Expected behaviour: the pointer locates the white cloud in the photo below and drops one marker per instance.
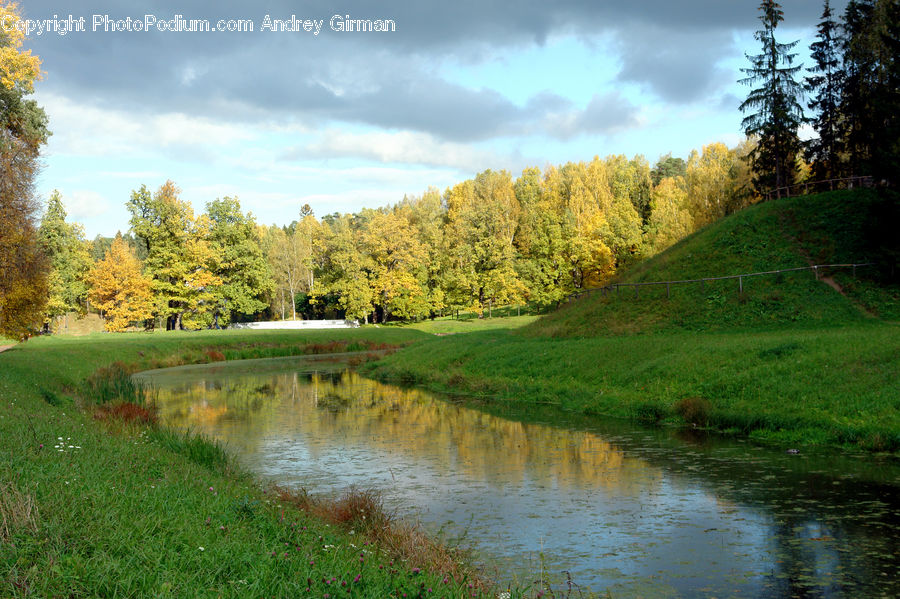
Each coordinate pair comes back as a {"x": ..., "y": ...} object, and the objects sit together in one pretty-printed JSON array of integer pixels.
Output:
[
  {"x": 84, "y": 129},
  {"x": 83, "y": 204},
  {"x": 402, "y": 147}
]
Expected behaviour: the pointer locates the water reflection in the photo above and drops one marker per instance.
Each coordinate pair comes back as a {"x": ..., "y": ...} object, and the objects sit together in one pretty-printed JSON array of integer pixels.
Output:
[{"x": 633, "y": 511}]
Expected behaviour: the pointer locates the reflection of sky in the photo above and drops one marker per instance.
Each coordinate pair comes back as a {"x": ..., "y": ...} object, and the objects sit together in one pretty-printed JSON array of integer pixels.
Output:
[{"x": 640, "y": 521}]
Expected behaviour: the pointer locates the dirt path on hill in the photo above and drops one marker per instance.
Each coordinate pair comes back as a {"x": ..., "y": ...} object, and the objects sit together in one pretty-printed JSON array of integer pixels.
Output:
[
  {"x": 785, "y": 221},
  {"x": 3, "y": 348}
]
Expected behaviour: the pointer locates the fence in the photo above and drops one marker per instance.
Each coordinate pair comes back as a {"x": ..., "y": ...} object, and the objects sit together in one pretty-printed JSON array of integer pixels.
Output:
[
  {"x": 820, "y": 186},
  {"x": 616, "y": 287}
]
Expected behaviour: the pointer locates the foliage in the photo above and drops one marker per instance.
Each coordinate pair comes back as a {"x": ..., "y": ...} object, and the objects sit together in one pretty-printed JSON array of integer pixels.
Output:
[
  {"x": 119, "y": 290},
  {"x": 240, "y": 266},
  {"x": 18, "y": 69},
  {"x": 180, "y": 259},
  {"x": 824, "y": 84},
  {"x": 870, "y": 102},
  {"x": 778, "y": 113},
  {"x": 23, "y": 129},
  {"x": 290, "y": 255},
  {"x": 70, "y": 260}
]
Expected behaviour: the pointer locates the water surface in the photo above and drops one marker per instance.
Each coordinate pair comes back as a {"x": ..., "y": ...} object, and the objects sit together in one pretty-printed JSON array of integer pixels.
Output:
[{"x": 650, "y": 513}]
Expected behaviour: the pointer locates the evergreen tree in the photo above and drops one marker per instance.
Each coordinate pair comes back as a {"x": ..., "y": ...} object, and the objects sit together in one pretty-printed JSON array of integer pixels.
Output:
[
  {"x": 824, "y": 86},
  {"x": 70, "y": 260},
  {"x": 857, "y": 99},
  {"x": 778, "y": 113}
]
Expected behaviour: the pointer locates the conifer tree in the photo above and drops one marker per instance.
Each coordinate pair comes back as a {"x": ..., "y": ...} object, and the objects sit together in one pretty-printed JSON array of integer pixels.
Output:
[
  {"x": 70, "y": 260},
  {"x": 775, "y": 100},
  {"x": 824, "y": 86}
]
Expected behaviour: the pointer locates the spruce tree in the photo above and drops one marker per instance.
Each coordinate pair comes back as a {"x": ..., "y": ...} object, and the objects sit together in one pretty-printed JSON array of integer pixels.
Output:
[
  {"x": 824, "y": 86},
  {"x": 859, "y": 82},
  {"x": 775, "y": 100}
]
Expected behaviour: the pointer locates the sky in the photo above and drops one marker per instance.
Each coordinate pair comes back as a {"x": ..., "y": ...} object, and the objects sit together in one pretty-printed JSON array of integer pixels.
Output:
[{"x": 306, "y": 109}]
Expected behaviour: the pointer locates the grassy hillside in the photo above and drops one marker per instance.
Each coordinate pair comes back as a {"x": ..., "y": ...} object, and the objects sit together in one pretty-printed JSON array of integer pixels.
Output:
[
  {"x": 837, "y": 227},
  {"x": 791, "y": 360}
]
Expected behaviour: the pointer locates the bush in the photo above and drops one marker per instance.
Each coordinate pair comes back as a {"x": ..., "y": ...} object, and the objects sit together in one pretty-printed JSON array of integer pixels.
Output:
[{"x": 694, "y": 410}]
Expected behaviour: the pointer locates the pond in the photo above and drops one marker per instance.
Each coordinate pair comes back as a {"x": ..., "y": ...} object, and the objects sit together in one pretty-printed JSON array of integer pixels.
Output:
[{"x": 544, "y": 496}]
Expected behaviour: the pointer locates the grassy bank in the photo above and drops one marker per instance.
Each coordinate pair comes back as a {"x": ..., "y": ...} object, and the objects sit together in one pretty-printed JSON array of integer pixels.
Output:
[
  {"x": 790, "y": 385},
  {"x": 93, "y": 506},
  {"x": 791, "y": 359}
]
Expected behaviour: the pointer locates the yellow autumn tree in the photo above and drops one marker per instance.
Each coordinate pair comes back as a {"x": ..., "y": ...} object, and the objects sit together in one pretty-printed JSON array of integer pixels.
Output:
[
  {"x": 119, "y": 289},
  {"x": 18, "y": 69}
]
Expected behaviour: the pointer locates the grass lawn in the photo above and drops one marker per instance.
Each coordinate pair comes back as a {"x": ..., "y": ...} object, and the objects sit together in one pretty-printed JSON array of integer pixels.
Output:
[
  {"x": 450, "y": 326},
  {"x": 92, "y": 508}
]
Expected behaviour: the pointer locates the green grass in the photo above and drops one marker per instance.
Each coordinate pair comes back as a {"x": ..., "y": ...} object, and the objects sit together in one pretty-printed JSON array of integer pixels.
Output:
[
  {"x": 789, "y": 360},
  {"x": 829, "y": 386},
  {"x": 451, "y": 326},
  {"x": 790, "y": 233},
  {"x": 100, "y": 509}
]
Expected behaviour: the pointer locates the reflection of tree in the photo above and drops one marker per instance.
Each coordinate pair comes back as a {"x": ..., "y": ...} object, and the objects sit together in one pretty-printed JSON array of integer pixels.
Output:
[
  {"x": 854, "y": 545},
  {"x": 410, "y": 421}
]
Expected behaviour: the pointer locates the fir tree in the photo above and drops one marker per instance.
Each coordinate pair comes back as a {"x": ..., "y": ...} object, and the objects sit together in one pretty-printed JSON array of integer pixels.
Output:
[
  {"x": 824, "y": 87},
  {"x": 778, "y": 113}
]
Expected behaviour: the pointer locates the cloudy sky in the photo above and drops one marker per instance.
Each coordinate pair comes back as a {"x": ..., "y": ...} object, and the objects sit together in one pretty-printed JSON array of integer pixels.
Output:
[{"x": 342, "y": 120}]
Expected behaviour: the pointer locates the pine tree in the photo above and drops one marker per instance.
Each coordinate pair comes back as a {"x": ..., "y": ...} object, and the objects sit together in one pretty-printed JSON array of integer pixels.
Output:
[
  {"x": 824, "y": 85},
  {"x": 860, "y": 67},
  {"x": 776, "y": 102}
]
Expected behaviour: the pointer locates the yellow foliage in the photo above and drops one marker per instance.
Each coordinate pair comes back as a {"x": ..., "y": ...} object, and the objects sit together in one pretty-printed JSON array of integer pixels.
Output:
[
  {"x": 119, "y": 289},
  {"x": 18, "y": 69}
]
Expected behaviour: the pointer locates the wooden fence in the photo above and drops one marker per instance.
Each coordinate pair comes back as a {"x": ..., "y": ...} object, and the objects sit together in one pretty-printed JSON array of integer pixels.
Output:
[
  {"x": 616, "y": 287},
  {"x": 819, "y": 186}
]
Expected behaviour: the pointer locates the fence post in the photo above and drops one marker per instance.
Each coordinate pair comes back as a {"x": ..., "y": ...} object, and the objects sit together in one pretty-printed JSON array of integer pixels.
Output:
[
  {"x": 741, "y": 284},
  {"x": 816, "y": 270},
  {"x": 667, "y": 291},
  {"x": 702, "y": 285},
  {"x": 854, "y": 271},
  {"x": 635, "y": 292}
]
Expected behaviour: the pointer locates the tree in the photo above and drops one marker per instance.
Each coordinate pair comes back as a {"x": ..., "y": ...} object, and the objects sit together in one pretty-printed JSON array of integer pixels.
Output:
[
  {"x": 396, "y": 261},
  {"x": 180, "y": 260},
  {"x": 119, "y": 290},
  {"x": 670, "y": 219},
  {"x": 245, "y": 275},
  {"x": 667, "y": 166},
  {"x": 870, "y": 100},
  {"x": 824, "y": 85},
  {"x": 345, "y": 269},
  {"x": 482, "y": 219},
  {"x": 778, "y": 113},
  {"x": 23, "y": 130},
  {"x": 70, "y": 260},
  {"x": 290, "y": 257}
]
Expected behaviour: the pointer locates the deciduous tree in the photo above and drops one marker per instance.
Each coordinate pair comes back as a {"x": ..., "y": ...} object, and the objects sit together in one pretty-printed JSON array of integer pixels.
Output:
[
  {"x": 23, "y": 130},
  {"x": 119, "y": 290}
]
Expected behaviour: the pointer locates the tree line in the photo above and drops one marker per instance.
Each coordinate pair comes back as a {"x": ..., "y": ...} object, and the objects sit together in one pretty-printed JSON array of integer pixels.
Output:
[{"x": 488, "y": 241}]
